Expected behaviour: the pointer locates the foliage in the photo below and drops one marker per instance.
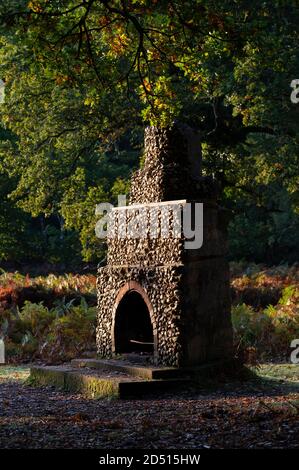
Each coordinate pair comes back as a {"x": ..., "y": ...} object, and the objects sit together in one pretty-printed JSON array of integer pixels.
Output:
[
  {"x": 72, "y": 333},
  {"x": 267, "y": 233},
  {"x": 259, "y": 286},
  {"x": 37, "y": 332},
  {"x": 82, "y": 78},
  {"x": 57, "y": 321},
  {"x": 269, "y": 330},
  {"x": 35, "y": 319},
  {"x": 56, "y": 237},
  {"x": 84, "y": 283},
  {"x": 51, "y": 318},
  {"x": 52, "y": 290}
]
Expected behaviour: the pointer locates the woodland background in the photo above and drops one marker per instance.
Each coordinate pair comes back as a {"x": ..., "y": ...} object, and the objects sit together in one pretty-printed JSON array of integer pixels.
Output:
[{"x": 82, "y": 80}]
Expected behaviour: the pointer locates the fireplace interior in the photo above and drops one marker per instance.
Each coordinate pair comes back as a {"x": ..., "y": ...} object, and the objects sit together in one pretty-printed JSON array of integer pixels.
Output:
[{"x": 133, "y": 330}]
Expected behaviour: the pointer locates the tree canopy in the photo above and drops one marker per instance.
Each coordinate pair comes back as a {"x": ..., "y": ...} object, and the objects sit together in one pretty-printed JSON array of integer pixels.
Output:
[{"x": 84, "y": 76}]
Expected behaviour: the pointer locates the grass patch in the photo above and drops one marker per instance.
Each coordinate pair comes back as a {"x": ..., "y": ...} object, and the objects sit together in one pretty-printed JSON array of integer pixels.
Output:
[
  {"x": 285, "y": 372},
  {"x": 14, "y": 373}
]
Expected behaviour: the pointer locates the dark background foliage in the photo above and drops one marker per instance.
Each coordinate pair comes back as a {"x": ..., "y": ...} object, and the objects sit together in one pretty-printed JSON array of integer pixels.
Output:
[{"x": 83, "y": 78}]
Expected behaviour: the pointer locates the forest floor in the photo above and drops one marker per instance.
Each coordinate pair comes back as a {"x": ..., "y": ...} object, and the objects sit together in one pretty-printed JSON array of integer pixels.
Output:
[{"x": 262, "y": 412}]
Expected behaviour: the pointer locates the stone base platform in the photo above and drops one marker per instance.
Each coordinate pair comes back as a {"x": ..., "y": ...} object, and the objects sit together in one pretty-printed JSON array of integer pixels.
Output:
[
  {"x": 127, "y": 367},
  {"x": 100, "y": 383},
  {"x": 100, "y": 378}
]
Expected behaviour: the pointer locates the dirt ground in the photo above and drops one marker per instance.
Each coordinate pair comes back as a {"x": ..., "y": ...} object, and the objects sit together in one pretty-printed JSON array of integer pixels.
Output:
[{"x": 259, "y": 413}]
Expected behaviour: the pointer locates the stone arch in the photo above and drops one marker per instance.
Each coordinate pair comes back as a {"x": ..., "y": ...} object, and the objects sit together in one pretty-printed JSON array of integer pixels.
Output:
[{"x": 133, "y": 286}]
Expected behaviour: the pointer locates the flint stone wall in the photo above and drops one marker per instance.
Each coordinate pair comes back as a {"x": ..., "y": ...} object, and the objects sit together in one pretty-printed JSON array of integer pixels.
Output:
[
  {"x": 172, "y": 168},
  {"x": 159, "y": 251},
  {"x": 162, "y": 285},
  {"x": 190, "y": 304}
]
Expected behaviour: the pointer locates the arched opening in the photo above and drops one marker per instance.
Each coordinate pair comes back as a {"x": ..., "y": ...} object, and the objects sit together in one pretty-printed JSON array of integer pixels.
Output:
[{"x": 133, "y": 329}]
